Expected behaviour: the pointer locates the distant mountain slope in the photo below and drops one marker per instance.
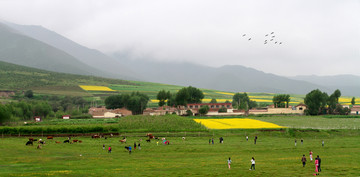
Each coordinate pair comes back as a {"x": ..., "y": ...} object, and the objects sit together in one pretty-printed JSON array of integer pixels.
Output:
[
  {"x": 16, "y": 77},
  {"x": 19, "y": 49},
  {"x": 349, "y": 85},
  {"x": 91, "y": 57},
  {"x": 227, "y": 78}
]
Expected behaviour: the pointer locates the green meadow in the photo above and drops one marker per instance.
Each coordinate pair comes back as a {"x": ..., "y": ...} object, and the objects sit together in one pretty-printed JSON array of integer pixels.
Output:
[{"x": 275, "y": 152}]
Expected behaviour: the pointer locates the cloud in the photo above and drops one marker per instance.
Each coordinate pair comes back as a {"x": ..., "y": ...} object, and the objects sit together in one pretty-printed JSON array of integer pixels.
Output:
[{"x": 319, "y": 37}]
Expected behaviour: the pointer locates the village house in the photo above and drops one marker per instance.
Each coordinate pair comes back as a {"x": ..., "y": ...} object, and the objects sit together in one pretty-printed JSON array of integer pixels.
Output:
[
  {"x": 66, "y": 117},
  {"x": 102, "y": 112},
  {"x": 355, "y": 110},
  {"x": 163, "y": 110},
  {"x": 37, "y": 119}
]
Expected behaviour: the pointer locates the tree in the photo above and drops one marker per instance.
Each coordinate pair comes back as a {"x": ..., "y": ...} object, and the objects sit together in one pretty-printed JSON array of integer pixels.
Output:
[
  {"x": 252, "y": 104},
  {"x": 116, "y": 101},
  {"x": 241, "y": 101},
  {"x": 42, "y": 109},
  {"x": 171, "y": 100},
  {"x": 137, "y": 103},
  {"x": 29, "y": 94},
  {"x": 227, "y": 101},
  {"x": 315, "y": 102},
  {"x": 188, "y": 95},
  {"x": 222, "y": 109},
  {"x": 280, "y": 100},
  {"x": 4, "y": 114},
  {"x": 333, "y": 101},
  {"x": 353, "y": 101},
  {"x": 162, "y": 96},
  {"x": 213, "y": 100},
  {"x": 204, "y": 110}
]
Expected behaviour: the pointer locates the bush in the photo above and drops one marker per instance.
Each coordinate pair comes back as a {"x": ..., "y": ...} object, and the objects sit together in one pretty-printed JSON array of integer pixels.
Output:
[
  {"x": 223, "y": 109},
  {"x": 189, "y": 113}
]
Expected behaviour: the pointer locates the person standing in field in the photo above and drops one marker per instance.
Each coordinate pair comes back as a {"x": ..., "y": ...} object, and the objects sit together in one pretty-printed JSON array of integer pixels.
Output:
[
  {"x": 302, "y": 141},
  {"x": 247, "y": 138},
  {"x": 316, "y": 167},
  {"x": 303, "y": 160},
  {"x": 212, "y": 140},
  {"x": 295, "y": 142},
  {"x": 255, "y": 139},
  {"x": 109, "y": 149},
  {"x": 310, "y": 154},
  {"x": 252, "y": 163},
  {"x": 322, "y": 143},
  {"x": 229, "y": 163},
  {"x": 139, "y": 147},
  {"x": 134, "y": 145},
  {"x": 319, "y": 162},
  {"x": 130, "y": 149},
  {"x": 103, "y": 146}
]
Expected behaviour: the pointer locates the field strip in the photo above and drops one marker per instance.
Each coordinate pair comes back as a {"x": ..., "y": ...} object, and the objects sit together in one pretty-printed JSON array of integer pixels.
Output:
[
  {"x": 236, "y": 123},
  {"x": 95, "y": 88}
]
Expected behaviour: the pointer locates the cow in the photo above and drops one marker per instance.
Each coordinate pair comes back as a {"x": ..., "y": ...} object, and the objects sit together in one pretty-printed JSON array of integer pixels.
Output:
[
  {"x": 29, "y": 143},
  {"x": 123, "y": 140},
  {"x": 95, "y": 136},
  {"x": 31, "y": 139},
  {"x": 80, "y": 141},
  {"x": 66, "y": 141},
  {"x": 75, "y": 141},
  {"x": 150, "y": 136},
  {"x": 50, "y": 137},
  {"x": 41, "y": 141},
  {"x": 127, "y": 147},
  {"x": 148, "y": 140},
  {"x": 57, "y": 142}
]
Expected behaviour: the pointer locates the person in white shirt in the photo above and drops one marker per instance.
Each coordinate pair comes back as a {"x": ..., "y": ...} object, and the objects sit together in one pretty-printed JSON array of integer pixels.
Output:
[
  {"x": 229, "y": 162},
  {"x": 252, "y": 163}
]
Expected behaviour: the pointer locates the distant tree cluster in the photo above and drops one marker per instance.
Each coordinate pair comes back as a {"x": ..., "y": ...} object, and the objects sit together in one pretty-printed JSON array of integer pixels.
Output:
[
  {"x": 136, "y": 102},
  {"x": 281, "y": 101},
  {"x": 183, "y": 97},
  {"x": 318, "y": 102},
  {"x": 242, "y": 101}
]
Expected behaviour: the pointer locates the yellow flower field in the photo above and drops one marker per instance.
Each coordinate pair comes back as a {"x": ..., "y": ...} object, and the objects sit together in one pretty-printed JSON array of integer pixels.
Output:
[
  {"x": 236, "y": 123},
  {"x": 95, "y": 88}
]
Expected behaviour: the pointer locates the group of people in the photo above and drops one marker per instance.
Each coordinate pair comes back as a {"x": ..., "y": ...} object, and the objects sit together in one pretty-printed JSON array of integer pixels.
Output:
[
  {"x": 317, "y": 162},
  {"x": 252, "y": 167}
]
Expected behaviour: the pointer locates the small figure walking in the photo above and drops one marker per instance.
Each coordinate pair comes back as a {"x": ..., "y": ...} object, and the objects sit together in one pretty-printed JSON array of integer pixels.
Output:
[
  {"x": 302, "y": 141},
  {"x": 310, "y": 154},
  {"x": 295, "y": 142},
  {"x": 134, "y": 145},
  {"x": 247, "y": 138},
  {"x": 212, "y": 140},
  {"x": 322, "y": 143},
  {"x": 303, "y": 160},
  {"x": 109, "y": 149},
  {"x": 229, "y": 163},
  {"x": 130, "y": 149},
  {"x": 209, "y": 141},
  {"x": 139, "y": 147},
  {"x": 157, "y": 143},
  {"x": 221, "y": 140},
  {"x": 103, "y": 146},
  {"x": 255, "y": 139},
  {"x": 252, "y": 163}
]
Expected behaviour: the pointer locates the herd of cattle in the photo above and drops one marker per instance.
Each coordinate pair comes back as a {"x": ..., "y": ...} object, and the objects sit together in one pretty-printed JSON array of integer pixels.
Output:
[{"x": 42, "y": 142}]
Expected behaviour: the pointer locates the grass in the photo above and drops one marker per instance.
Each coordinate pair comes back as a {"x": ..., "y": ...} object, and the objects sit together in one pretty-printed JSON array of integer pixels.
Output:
[{"x": 275, "y": 156}]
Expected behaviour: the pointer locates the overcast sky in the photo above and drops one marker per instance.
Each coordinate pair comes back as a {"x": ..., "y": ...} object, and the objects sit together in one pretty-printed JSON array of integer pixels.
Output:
[{"x": 319, "y": 37}]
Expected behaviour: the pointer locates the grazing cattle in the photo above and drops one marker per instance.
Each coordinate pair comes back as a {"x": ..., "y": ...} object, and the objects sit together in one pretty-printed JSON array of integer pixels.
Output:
[
  {"x": 95, "y": 136},
  {"x": 157, "y": 138},
  {"x": 123, "y": 140},
  {"x": 66, "y": 141},
  {"x": 57, "y": 142},
  {"x": 29, "y": 143},
  {"x": 31, "y": 139},
  {"x": 148, "y": 140},
  {"x": 50, "y": 137},
  {"x": 35, "y": 140},
  {"x": 80, "y": 141},
  {"x": 105, "y": 137},
  {"x": 150, "y": 136},
  {"x": 75, "y": 141},
  {"x": 183, "y": 138},
  {"x": 41, "y": 141},
  {"x": 127, "y": 147}
]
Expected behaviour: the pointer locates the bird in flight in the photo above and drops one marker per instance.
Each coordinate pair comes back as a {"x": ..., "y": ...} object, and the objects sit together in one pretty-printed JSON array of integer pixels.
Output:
[
  {"x": 275, "y": 42},
  {"x": 272, "y": 36},
  {"x": 266, "y": 35},
  {"x": 271, "y": 39},
  {"x": 280, "y": 43},
  {"x": 244, "y": 35},
  {"x": 272, "y": 32},
  {"x": 249, "y": 39}
]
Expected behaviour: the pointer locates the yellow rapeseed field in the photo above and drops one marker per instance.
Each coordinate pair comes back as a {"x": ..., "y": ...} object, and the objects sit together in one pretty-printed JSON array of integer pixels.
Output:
[
  {"x": 236, "y": 123},
  {"x": 95, "y": 88}
]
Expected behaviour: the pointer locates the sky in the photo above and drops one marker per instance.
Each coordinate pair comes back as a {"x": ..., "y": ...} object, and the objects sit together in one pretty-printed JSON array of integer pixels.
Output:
[{"x": 318, "y": 37}]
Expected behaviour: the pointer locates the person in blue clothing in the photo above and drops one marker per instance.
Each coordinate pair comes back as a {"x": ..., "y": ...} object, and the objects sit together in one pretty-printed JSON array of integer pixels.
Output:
[{"x": 130, "y": 149}]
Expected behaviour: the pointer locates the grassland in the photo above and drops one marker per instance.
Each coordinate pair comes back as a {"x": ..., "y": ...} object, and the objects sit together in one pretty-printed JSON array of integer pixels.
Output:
[{"x": 275, "y": 155}]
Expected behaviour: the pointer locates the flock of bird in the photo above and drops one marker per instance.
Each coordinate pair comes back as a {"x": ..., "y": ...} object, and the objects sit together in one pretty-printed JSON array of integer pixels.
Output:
[{"x": 269, "y": 38}]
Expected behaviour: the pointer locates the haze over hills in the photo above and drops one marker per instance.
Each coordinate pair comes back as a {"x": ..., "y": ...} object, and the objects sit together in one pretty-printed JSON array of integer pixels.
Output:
[
  {"x": 91, "y": 57},
  {"x": 38, "y": 47},
  {"x": 20, "y": 49},
  {"x": 347, "y": 84}
]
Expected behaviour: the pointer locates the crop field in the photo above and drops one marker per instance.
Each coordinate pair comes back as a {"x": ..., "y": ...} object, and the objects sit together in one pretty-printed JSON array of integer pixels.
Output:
[
  {"x": 194, "y": 156},
  {"x": 235, "y": 123},
  {"x": 95, "y": 88}
]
